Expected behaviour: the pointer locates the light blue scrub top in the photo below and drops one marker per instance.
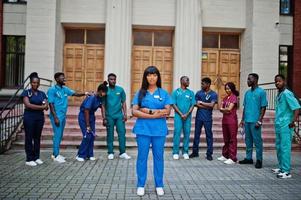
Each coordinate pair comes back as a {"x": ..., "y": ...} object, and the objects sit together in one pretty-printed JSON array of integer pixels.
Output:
[
  {"x": 183, "y": 99},
  {"x": 152, "y": 127},
  {"x": 58, "y": 96},
  {"x": 253, "y": 102},
  {"x": 286, "y": 103}
]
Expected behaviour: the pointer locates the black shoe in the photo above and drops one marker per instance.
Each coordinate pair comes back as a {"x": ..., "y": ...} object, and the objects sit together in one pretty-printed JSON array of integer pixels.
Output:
[
  {"x": 246, "y": 161},
  {"x": 193, "y": 155},
  {"x": 258, "y": 164},
  {"x": 209, "y": 158}
]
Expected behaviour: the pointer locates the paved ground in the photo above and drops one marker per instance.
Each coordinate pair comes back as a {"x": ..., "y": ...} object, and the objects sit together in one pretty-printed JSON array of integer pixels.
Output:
[{"x": 103, "y": 179}]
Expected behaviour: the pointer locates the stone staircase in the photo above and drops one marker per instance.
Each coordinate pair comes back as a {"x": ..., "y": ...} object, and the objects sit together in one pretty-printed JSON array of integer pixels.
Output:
[{"x": 72, "y": 134}]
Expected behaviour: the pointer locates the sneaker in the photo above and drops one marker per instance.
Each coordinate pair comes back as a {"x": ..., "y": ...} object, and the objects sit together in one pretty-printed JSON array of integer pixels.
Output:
[
  {"x": 39, "y": 161},
  {"x": 160, "y": 191},
  {"x": 59, "y": 159},
  {"x": 276, "y": 171},
  {"x": 284, "y": 175},
  {"x": 222, "y": 158},
  {"x": 209, "y": 158},
  {"x": 175, "y": 156},
  {"x": 258, "y": 164},
  {"x": 229, "y": 161},
  {"x": 186, "y": 156},
  {"x": 79, "y": 159},
  {"x": 31, "y": 163},
  {"x": 193, "y": 155},
  {"x": 246, "y": 161},
  {"x": 140, "y": 191},
  {"x": 92, "y": 158},
  {"x": 111, "y": 156},
  {"x": 124, "y": 156}
]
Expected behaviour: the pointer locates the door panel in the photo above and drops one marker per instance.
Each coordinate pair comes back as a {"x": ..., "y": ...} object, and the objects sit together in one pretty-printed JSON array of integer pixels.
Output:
[
  {"x": 210, "y": 67},
  {"x": 83, "y": 68}
]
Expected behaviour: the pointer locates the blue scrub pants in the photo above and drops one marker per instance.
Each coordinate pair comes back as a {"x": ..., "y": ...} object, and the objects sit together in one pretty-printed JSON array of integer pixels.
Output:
[
  {"x": 120, "y": 128},
  {"x": 86, "y": 147},
  {"x": 143, "y": 143},
  {"x": 180, "y": 124},
  {"x": 33, "y": 126},
  {"x": 58, "y": 133},
  {"x": 253, "y": 135},
  {"x": 209, "y": 136},
  {"x": 284, "y": 136}
]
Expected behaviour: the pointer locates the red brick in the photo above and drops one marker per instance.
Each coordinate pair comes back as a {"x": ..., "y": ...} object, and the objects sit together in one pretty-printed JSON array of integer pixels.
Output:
[{"x": 296, "y": 71}]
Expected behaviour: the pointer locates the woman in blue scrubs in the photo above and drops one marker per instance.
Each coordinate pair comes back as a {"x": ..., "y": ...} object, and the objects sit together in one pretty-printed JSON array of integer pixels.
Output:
[
  {"x": 35, "y": 102},
  {"x": 151, "y": 106},
  {"x": 86, "y": 121}
]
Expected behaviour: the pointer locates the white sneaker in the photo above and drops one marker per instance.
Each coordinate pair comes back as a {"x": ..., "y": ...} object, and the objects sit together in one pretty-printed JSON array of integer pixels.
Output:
[
  {"x": 229, "y": 161},
  {"x": 111, "y": 156},
  {"x": 62, "y": 157},
  {"x": 222, "y": 158},
  {"x": 175, "y": 156},
  {"x": 39, "y": 161},
  {"x": 160, "y": 191},
  {"x": 125, "y": 156},
  {"x": 284, "y": 175},
  {"x": 276, "y": 171},
  {"x": 31, "y": 163},
  {"x": 59, "y": 159},
  {"x": 79, "y": 159},
  {"x": 186, "y": 156},
  {"x": 92, "y": 158},
  {"x": 140, "y": 191}
]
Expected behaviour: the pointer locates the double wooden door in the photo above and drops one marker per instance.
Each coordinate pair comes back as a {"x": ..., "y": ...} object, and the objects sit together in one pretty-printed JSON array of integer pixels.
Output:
[
  {"x": 221, "y": 66},
  {"x": 83, "y": 68},
  {"x": 144, "y": 56}
]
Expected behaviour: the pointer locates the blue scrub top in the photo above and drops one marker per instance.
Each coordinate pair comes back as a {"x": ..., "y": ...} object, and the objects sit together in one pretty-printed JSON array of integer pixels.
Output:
[
  {"x": 183, "y": 99},
  {"x": 36, "y": 99},
  {"x": 92, "y": 103},
  {"x": 253, "y": 102},
  {"x": 58, "y": 96},
  {"x": 152, "y": 127},
  {"x": 286, "y": 104},
  {"x": 204, "y": 114}
]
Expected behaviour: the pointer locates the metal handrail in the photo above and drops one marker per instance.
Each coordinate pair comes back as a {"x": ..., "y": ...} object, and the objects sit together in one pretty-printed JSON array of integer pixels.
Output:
[
  {"x": 11, "y": 115},
  {"x": 271, "y": 92}
]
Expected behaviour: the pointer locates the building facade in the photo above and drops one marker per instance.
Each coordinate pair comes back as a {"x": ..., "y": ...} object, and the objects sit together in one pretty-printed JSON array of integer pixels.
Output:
[{"x": 221, "y": 39}]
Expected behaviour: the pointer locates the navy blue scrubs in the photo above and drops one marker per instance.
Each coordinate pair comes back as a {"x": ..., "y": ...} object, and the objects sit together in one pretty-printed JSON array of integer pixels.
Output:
[
  {"x": 33, "y": 122},
  {"x": 92, "y": 103}
]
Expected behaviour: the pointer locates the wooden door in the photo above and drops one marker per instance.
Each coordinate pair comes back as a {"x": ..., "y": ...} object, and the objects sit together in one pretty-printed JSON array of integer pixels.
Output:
[
  {"x": 83, "y": 67},
  {"x": 141, "y": 58},
  {"x": 221, "y": 66},
  {"x": 163, "y": 60}
]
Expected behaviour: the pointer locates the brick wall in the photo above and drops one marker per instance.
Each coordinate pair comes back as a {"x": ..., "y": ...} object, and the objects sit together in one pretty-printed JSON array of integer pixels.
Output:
[
  {"x": 296, "y": 71},
  {"x": 1, "y": 50}
]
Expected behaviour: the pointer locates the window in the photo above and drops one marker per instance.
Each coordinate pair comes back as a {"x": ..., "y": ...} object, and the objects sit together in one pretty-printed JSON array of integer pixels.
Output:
[
  {"x": 153, "y": 38},
  {"x": 14, "y": 53},
  {"x": 285, "y": 7},
  {"x": 210, "y": 40},
  {"x": 84, "y": 36},
  {"x": 15, "y": 1},
  {"x": 285, "y": 55},
  {"x": 221, "y": 40}
]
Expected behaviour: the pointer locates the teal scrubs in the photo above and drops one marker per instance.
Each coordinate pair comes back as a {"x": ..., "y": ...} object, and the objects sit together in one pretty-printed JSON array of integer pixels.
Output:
[
  {"x": 183, "y": 99},
  {"x": 253, "y": 102},
  {"x": 58, "y": 96},
  {"x": 113, "y": 104},
  {"x": 286, "y": 104}
]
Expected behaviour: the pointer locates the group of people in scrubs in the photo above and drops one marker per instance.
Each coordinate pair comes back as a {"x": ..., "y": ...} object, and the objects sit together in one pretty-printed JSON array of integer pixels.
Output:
[{"x": 151, "y": 106}]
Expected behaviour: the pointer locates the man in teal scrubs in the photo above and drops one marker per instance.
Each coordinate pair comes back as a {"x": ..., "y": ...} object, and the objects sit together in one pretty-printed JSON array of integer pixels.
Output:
[
  {"x": 286, "y": 118},
  {"x": 58, "y": 103},
  {"x": 255, "y": 103},
  {"x": 184, "y": 102},
  {"x": 116, "y": 115}
]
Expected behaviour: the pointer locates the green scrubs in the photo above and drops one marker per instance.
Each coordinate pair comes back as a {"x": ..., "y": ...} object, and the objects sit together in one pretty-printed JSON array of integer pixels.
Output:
[
  {"x": 183, "y": 99},
  {"x": 285, "y": 105},
  {"x": 113, "y": 104}
]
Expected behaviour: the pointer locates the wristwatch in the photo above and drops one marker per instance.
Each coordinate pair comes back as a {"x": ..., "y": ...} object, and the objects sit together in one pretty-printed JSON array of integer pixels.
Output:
[
  {"x": 259, "y": 122},
  {"x": 295, "y": 123},
  {"x": 150, "y": 111}
]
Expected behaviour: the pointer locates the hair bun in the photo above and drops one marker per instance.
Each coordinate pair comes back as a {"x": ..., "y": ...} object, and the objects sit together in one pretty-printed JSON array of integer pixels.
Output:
[{"x": 105, "y": 83}]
